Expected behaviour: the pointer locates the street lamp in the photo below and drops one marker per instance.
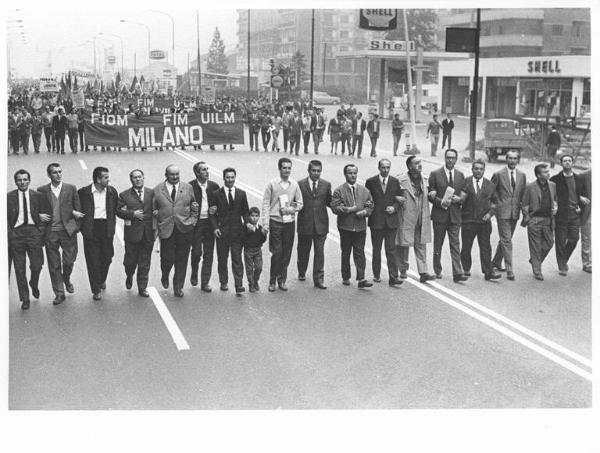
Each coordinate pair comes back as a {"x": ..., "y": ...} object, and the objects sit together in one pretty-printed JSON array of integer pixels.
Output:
[
  {"x": 147, "y": 28},
  {"x": 173, "y": 31},
  {"x": 121, "y": 39}
]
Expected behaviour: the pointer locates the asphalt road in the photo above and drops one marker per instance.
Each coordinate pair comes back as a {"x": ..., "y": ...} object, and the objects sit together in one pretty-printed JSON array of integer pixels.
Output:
[{"x": 520, "y": 344}]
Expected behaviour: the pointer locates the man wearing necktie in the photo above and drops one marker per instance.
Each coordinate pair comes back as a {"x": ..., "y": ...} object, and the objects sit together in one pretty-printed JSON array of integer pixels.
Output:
[
  {"x": 478, "y": 205},
  {"x": 313, "y": 222},
  {"x": 445, "y": 213},
  {"x": 510, "y": 183},
  {"x": 176, "y": 215},
  {"x": 27, "y": 216},
  {"x": 139, "y": 231},
  {"x": 387, "y": 198}
]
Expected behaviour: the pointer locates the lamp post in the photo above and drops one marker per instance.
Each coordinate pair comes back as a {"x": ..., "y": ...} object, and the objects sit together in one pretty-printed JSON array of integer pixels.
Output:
[
  {"x": 120, "y": 39},
  {"x": 173, "y": 31},
  {"x": 147, "y": 28}
]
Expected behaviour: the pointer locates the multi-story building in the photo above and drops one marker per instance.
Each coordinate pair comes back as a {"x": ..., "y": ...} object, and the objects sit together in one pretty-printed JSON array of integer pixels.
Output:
[{"x": 527, "y": 32}]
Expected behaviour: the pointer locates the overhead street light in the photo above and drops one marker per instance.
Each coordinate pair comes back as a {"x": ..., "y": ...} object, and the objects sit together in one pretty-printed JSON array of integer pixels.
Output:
[
  {"x": 173, "y": 32},
  {"x": 143, "y": 25}
]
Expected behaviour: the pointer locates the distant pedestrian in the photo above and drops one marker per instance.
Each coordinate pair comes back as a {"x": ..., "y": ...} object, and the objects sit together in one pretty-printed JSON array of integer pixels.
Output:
[
  {"x": 552, "y": 145},
  {"x": 334, "y": 130},
  {"x": 397, "y": 131},
  {"x": 447, "y": 126},
  {"x": 433, "y": 133},
  {"x": 373, "y": 127},
  {"x": 358, "y": 134}
]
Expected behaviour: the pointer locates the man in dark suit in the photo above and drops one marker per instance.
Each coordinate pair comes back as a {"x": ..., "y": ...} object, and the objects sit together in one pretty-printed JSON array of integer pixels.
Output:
[
  {"x": 295, "y": 133},
  {"x": 358, "y": 133},
  {"x": 176, "y": 215},
  {"x": 373, "y": 127},
  {"x": 445, "y": 213},
  {"x": 313, "y": 222},
  {"x": 203, "y": 244},
  {"x": 585, "y": 201},
  {"x": 99, "y": 206},
  {"x": 135, "y": 208},
  {"x": 566, "y": 232},
  {"x": 66, "y": 212},
  {"x": 447, "y": 126},
  {"x": 28, "y": 212},
  {"x": 59, "y": 126},
  {"x": 510, "y": 184},
  {"x": 229, "y": 222},
  {"x": 539, "y": 207},
  {"x": 478, "y": 203},
  {"x": 383, "y": 221}
]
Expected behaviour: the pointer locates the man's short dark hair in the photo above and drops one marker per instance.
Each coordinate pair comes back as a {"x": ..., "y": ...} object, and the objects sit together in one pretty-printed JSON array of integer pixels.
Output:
[
  {"x": 133, "y": 171},
  {"x": 450, "y": 150},
  {"x": 314, "y": 163},
  {"x": 51, "y": 166},
  {"x": 254, "y": 210},
  {"x": 383, "y": 160},
  {"x": 282, "y": 161},
  {"x": 196, "y": 166},
  {"x": 539, "y": 167},
  {"x": 478, "y": 162},
  {"x": 97, "y": 173},
  {"x": 409, "y": 160},
  {"x": 22, "y": 171},
  {"x": 229, "y": 170},
  {"x": 565, "y": 155},
  {"x": 348, "y": 166}
]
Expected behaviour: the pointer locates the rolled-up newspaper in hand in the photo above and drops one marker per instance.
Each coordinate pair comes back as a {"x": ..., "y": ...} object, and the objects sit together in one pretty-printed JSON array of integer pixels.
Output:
[{"x": 447, "y": 198}]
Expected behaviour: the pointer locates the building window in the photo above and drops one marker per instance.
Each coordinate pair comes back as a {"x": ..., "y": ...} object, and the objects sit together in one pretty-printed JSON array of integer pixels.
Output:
[
  {"x": 557, "y": 29},
  {"x": 500, "y": 29},
  {"x": 576, "y": 28},
  {"x": 344, "y": 19},
  {"x": 344, "y": 34}
]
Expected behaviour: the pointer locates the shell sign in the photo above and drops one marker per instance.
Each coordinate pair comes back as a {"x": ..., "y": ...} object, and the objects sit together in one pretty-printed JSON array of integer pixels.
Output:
[
  {"x": 157, "y": 55},
  {"x": 378, "y": 19}
]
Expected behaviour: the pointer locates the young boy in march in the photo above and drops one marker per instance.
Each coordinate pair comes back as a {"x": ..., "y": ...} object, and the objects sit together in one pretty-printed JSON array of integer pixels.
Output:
[{"x": 255, "y": 238}]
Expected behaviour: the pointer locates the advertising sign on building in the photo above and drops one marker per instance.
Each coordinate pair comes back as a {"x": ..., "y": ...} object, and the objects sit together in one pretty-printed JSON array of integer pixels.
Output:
[
  {"x": 461, "y": 39},
  {"x": 378, "y": 19},
  {"x": 157, "y": 55},
  {"x": 385, "y": 44}
]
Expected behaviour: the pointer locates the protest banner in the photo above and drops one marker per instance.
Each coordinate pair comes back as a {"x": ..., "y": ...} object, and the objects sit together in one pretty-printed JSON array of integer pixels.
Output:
[
  {"x": 48, "y": 85},
  {"x": 78, "y": 99},
  {"x": 173, "y": 129}
]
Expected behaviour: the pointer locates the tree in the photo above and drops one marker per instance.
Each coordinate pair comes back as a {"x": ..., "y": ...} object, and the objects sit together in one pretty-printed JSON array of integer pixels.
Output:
[
  {"x": 217, "y": 61},
  {"x": 298, "y": 66},
  {"x": 422, "y": 28}
]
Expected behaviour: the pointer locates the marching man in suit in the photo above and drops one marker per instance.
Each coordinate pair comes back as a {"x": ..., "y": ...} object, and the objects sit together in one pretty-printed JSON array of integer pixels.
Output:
[
  {"x": 177, "y": 213},
  {"x": 66, "y": 212},
  {"x": 203, "y": 245},
  {"x": 229, "y": 222},
  {"x": 478, "y": 203},
  {"x": 539, "y": 207},
  {"x": 383, "y": 221},
  {"x": 510, "y": 184},
  {"x": 445, "y": 213},
  {"x": 313, "y": 222},
  {"x": 135, "y": 208},
  {"x": 99, "y": 206},
  {"x": 28, "y": 212},
  {"x": 352, "y": 203}
]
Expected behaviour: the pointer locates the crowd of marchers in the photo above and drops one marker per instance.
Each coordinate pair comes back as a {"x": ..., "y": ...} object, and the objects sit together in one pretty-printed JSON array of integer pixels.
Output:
[{"x": 191, "y": 219}]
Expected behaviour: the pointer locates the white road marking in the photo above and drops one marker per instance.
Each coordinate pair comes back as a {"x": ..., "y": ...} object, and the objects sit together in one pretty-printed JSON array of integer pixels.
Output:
[
  {"x": 165, "y": 314},
  {"x": 489, "y": 322},
  {"x": 83, "y": 165}
]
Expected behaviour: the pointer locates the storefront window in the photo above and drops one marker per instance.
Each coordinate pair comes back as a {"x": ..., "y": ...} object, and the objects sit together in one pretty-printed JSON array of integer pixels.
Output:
[
  {"x": 586, "y": 101},
  {"x": 545, "y": 97}
]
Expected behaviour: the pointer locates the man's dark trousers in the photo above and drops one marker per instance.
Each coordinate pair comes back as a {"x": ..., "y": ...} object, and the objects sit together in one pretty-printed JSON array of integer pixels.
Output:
[
  {"x": 175, "y": 251},
  {"x": 566, "y": 236},
  {"x": 26, "y": 240},
  {"x": 353, "y": 242},
  {"x": 50, "y": 141},
  {"x": 281, "y": 243},
  {"x": 305, "y": 242},
  {"x": 377, "y": 239},
  {"x": 439, "y": 234},
  {"x": 483, "y": 231},
  {"x": 203, "y": 245},
  {"x": 225, "y": 244},
  {"x": 447, "y": 135},
  {"x": 68, "y": 244},
  {"x": 99, "y": 252},
  {"x": 138, "y": 256}
]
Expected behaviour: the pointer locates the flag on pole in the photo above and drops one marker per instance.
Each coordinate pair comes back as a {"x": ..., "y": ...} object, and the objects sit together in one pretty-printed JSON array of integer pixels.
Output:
[{"x": 134, "y": 83}]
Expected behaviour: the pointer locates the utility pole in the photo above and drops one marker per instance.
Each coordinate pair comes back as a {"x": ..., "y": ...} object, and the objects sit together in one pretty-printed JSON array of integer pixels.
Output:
[
  {"x": 475, "y": 91},
  {"x": 199, "y": 90},
  {"x": 411, "y": 105},
  {"x": 312, "y": 57},
  {"x": 248, "y": 45},
  {"x": 324, "y": 56}
]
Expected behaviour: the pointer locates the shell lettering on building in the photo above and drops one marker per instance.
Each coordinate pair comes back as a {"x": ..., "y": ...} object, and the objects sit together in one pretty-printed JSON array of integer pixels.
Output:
[{"x": 543, "y": 66}]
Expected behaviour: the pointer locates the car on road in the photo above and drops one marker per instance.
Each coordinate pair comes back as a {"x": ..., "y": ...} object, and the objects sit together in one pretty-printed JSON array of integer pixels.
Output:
[
  {"x": 320, "y": 97},
  {"x": 502, "y": 135}
]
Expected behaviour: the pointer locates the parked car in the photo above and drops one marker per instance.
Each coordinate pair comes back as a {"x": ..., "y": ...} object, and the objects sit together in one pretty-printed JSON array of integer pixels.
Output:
[
  {"x": 502, "y": 135},
  {"x": 320, "y": 97}
]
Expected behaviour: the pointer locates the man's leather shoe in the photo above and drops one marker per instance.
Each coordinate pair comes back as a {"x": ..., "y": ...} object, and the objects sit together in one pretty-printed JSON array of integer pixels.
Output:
[
  {"x": 320, "y": 285},
  {"x": 97, "y": 296},
  {"x": 206, "y": 288},
  {"x": 240, "y": 289},
  {"x": 251, "y": 288},
  {"x": 467, "y": 274},
  {"x": 257, "y": 286},
  {"x": 58, "y": 299},
  {"x": 272, "y": 287},
  {"x": 499, "y": 268},
  {"x": 194, "y": 280},
  {"x": 164, "y": 280},
  {"x": 460, "y": 278},
  {"x": 178, "y": 292},
  {"x": 438, "y": 276},
  {"x": 346, "y": 282},
  {"x": 493, "y": 276},
  {"x": 103, "y": 286},
  {"x": 143, "y": 293},
  {"x": 224, "y": 287},
  {"x": 510, "y": 275},
  {"x": 587, "y": 269},
  {"x": 403, "y": 275},
  {"x": 35, "y": 291},
  {"x": 376, "y": 279},
  {"x": 128, "y": 282},
  {"x": 282, "y": 286},
  {"x": 426, "y": 278},
  {"x": 25, "y": 305},
  {"x": 538, "y": 276},
  {"x": 562, "y": 273},
  {"x": 301, "y": 277},
  {"x": 365, "y": 284},
  {"x": 69, "y": 287},
  {"x": 395, "y": 282}
]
